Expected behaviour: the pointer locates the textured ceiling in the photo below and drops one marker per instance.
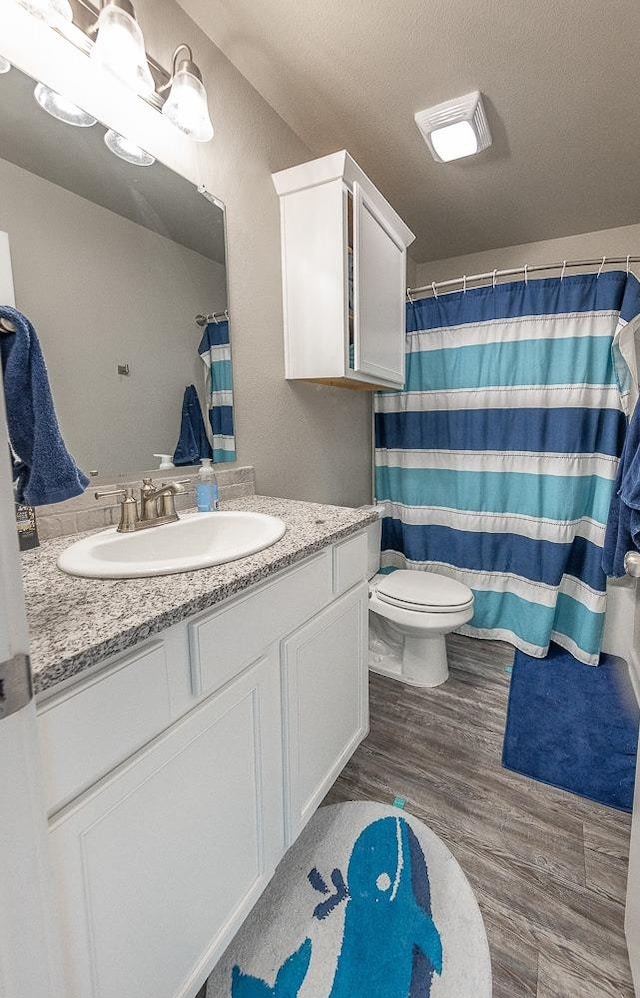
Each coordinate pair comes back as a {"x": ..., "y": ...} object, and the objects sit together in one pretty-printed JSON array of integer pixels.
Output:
[{"x": 560, "y": 82}]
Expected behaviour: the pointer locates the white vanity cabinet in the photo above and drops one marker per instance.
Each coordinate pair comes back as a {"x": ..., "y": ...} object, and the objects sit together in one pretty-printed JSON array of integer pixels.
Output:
[
  {"x": 180, "y": 771},
  {"x": 344, "y": 276}
]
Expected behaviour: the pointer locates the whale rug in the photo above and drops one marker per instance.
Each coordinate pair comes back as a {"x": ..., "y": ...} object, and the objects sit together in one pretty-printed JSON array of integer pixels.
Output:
[{"x": 368, "y": 903}]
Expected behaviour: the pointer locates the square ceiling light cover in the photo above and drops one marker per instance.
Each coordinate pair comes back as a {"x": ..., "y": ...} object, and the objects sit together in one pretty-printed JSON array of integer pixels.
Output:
[{"x": 456, "y": 128}]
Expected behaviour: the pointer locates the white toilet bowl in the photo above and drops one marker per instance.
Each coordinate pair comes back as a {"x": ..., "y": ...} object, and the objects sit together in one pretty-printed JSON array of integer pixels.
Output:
[{"x": 409, "y": 614}]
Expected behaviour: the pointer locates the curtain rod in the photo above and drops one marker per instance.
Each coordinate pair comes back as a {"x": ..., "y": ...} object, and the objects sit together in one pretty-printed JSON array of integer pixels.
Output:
[
  {"x": 202, "y": 320},
  {"x": 493, "y": 275}
]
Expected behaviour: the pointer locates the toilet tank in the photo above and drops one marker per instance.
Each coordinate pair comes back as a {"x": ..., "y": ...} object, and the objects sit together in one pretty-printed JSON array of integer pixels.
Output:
[{"x": 374, "y": 541}]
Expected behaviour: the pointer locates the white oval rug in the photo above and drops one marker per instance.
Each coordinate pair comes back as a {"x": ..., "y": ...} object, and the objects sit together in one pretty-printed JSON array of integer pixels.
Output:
[{"x": 368, "y": 902}]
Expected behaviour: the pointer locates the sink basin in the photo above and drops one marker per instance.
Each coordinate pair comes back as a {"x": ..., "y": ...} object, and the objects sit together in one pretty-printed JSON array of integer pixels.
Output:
[{"x": 196, "y": 540}]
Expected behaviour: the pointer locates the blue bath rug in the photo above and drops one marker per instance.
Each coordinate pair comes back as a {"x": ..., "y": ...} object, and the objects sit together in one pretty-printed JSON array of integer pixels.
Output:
[
  {"x": 573, "y": 726},
  {"x": 368, "y": 903}
]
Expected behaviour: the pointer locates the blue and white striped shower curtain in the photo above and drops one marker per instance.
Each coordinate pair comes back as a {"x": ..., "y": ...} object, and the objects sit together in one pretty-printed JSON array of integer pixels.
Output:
[
  {"x": 496, "y": 462},
  {"x": 215, "y": 351}
]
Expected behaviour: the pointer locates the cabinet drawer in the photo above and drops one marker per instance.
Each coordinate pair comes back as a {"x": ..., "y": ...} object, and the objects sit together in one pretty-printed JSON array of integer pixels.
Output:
[
  {"x": 223, "y": 643},
  {"x": 350, "y": 559},
  {"x": 88, "y": 731}
]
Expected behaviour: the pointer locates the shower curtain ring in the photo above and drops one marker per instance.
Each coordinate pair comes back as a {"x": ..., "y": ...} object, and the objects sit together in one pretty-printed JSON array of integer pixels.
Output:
[
  {"x": 601, "y": 266},
  {"x": 526, "y": 276},
  {"x": 464, "y": 284},
  {"x": 628, "y": 259},
  {"x": 493, "y": 279},
  {"x": 409, "y": 296},
  {"x": 564, "y": 267},
  {"x": 433, "y": 288}
]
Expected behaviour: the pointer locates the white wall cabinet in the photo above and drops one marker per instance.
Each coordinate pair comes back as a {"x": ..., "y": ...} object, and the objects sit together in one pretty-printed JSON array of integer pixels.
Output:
[
  {"x": 344, "y": 276},
  {"x": 163, "y": 837}
]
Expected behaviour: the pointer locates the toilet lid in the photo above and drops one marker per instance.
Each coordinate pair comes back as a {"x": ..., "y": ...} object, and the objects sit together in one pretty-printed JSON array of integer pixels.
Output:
[{"x": 423, "y": 590}]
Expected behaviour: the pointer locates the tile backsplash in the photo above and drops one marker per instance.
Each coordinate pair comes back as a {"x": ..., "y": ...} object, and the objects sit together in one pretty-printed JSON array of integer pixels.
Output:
[{"x": 86, "y": 513}]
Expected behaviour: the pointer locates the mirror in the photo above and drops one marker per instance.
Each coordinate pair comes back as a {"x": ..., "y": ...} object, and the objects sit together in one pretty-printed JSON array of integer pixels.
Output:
[{"x": 112, "y": 262}]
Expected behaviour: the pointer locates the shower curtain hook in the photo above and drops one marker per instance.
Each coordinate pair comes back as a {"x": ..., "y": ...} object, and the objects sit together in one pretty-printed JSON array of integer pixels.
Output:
[
  {"x": 493, "y": 279},
  {"x": 464, "y": 284},
  {"x": 601, "y": 266},
  {"x": 628, "y": 259},
  {"x": 526, "y": 276},
  {"x": 564, "y": 267},
  {"x": 433, "y": 288}
]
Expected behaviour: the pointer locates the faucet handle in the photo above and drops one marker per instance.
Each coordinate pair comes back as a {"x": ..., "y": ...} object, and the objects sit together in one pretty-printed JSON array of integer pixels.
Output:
[
  {"x": 128, "y": 507},
  {"x": 127, "y": 493}
]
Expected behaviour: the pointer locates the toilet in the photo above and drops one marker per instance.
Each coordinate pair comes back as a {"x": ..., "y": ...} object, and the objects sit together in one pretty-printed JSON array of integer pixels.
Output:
[{"x": 409, "y": 614}]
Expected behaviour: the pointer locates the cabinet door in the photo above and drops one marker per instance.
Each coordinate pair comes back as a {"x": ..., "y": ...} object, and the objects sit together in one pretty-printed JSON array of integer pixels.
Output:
[
  {"x": 379, "y": 289},
  {"x": 159, "y": 864},
  {"x": 326, "y": 713}
]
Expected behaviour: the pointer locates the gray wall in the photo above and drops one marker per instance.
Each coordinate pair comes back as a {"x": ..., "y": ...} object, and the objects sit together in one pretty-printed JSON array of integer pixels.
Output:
[
  {"x": 305, "y": 441},
  {"x": 103, "y": 291}
]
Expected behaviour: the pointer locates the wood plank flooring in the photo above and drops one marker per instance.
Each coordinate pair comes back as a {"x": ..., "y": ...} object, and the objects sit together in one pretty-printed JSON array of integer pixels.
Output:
[{"x": 548, "y": 868}]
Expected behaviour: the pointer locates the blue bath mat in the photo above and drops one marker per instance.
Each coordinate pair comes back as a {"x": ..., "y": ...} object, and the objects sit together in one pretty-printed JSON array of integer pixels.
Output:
[
  {"x": 573, "y": 726},
  {"x": 368, "y": 903}
]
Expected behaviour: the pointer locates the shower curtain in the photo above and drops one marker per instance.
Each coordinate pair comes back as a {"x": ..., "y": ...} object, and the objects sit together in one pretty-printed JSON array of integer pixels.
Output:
[
  {"x": 215, "y": 351},
  {"x": 496, "y": 462}
]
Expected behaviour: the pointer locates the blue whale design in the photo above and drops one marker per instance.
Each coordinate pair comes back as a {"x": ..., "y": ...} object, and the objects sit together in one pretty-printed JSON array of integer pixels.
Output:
[
  {"x": 390, "y": 945},
  {"x": 288, "y": 981}
]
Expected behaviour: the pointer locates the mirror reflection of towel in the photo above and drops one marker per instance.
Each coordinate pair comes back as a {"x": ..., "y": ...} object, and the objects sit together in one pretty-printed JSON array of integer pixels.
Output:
[
  {"x": 193, "y": 444},
  {"x": 44, "y": 470}
]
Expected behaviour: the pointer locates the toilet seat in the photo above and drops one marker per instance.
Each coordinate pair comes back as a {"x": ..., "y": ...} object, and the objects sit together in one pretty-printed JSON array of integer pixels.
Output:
[{"x": 426, "y": 592}]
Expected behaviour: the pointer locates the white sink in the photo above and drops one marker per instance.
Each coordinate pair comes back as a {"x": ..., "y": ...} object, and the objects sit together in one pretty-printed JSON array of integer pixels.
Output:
[{"x": 196, "y": 540}]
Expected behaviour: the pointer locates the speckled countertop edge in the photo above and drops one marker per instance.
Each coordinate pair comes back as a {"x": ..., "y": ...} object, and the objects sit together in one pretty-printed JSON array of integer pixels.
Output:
[{"x": 75, "y": 623}]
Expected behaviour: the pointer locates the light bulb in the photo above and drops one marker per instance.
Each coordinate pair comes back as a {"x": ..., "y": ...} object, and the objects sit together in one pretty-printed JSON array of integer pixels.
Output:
[
  {"x": 186, "y": 106},
  {"x": 54, "y": 12},
  {"x": 455, "y": 141},
  {"x": 119, "y": 47},
  {"x": 5, "y": 65},
  {"x": 62, "y": 108},
  {"x": 127, "y": 150}
]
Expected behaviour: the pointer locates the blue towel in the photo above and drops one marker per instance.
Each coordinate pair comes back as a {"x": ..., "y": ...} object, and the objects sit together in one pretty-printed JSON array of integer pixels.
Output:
[
  {"x": 44, "y": 471},
  {"x": 623, "y": 526},
  {"x": 193, "y": 444}
]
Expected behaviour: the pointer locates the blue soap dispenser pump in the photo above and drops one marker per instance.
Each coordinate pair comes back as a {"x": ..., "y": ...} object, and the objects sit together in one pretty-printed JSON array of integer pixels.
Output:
[{"x": 207, "y": 498}]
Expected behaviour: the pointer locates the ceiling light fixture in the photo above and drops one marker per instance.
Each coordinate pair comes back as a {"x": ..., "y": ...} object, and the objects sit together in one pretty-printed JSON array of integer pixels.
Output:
[
  {"x": 456, "y": 128},
  {"x": 186, "y": 106},
  {"x": 62, "y": 108},
  {"x": 54, "y": 12},
  {"x": 127, "y": 150},
  {"x": 5, "y": 65},
  {"x": 119, "y": 46}
]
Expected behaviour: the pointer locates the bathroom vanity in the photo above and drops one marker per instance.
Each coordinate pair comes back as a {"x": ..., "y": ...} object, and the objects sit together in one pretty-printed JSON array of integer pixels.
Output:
[{"x": 190, "y": 725}]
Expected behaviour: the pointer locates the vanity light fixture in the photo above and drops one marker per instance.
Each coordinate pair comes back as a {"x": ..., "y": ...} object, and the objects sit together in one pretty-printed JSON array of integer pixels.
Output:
[
  {"x": 5, "y": 65},
  {"x": 119, "y": 46},
  {"x": 186, "y": 106},
  {"x": 456, "y": 128},
  {"x": 54, "y": 12},
  {"x": 62, "y": 108},
  {"x": 127, "y": 150}
]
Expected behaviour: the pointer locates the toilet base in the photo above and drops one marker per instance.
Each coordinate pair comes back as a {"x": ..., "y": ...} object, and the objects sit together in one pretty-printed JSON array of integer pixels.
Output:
[{"x": 418, "y": 661}]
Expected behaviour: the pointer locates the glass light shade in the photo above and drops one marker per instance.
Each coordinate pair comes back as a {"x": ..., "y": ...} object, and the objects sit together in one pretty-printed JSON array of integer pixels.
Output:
[
  {"x": 119, "y": 48},
  {"x": 52, "y": 11},
  {"x": 455, "y": 141},
  {"x": 186, "y": 107},
  {"x": 5, "y": 65},
  {"x": 127, "y": 150},
  {"x": 61, "y": 108}
]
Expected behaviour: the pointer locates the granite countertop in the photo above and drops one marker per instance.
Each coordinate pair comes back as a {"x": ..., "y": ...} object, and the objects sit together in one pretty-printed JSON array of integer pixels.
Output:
[{"x": 75, "y": 623}]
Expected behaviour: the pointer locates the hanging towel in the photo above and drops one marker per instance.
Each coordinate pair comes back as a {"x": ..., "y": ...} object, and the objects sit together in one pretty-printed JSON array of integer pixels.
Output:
[
  {"x": 193, "y": 444},
  {"x": 623, "y": 525},
  {"x": 44, "y": 471}
]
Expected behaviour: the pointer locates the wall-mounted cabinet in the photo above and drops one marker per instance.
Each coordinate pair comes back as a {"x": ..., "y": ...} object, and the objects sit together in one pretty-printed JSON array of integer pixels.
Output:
[{"x": 344, "y": 276}]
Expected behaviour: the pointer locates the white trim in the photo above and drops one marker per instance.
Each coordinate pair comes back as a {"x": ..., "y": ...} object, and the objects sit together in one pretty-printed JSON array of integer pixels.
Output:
[{"x": 502, "y": 397}]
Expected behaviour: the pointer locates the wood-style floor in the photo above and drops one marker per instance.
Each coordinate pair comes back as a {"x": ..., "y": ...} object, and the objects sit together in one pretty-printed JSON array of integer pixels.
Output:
[{"x": 548, "y": 868}]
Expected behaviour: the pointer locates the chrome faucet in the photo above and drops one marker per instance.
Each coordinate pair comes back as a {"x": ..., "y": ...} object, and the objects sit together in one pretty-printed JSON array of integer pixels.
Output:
[{"x": 157, "y": 506}]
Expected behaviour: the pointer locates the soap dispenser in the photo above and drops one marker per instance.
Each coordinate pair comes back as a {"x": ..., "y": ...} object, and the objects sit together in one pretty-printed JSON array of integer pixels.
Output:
[{"x": 207, "y": 495}]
